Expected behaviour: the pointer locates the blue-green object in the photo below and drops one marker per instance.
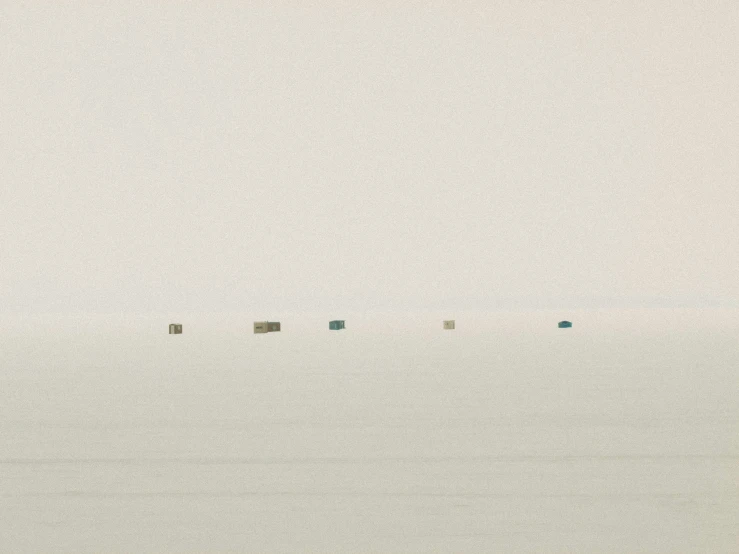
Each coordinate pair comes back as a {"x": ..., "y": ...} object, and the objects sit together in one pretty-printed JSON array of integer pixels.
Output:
[
  {"x": 564, "y": 324},
  {"x": 336, "y": 325}
]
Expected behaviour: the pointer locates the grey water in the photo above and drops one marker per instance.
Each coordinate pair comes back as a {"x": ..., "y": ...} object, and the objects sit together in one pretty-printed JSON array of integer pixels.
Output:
[{"x": 506, "y": 434}]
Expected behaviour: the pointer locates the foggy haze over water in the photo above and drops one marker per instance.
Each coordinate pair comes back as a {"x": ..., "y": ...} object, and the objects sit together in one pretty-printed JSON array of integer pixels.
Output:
[
  {"x": 503, "y": 164},
  {"x": 314, "y": 157}
]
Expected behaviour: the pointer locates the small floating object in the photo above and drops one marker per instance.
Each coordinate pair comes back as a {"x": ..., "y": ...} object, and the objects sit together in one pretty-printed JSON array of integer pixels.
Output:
[
  {"x": 449, "y": 324},
  {"x": 336, "y": 325},
  {"x": 564, "y": 324},
  {"x": 175, "y": 328},
  {"x": 273, "y": 326}
]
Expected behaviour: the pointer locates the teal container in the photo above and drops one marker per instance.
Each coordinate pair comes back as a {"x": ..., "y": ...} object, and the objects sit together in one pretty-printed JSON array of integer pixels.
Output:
[
  {"x": 336, "y": 325},
  {"x": 564, "y": 324}
]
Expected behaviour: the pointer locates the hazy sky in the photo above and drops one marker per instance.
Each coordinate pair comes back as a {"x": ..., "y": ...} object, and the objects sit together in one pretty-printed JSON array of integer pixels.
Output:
[{"x": 249, "y": 156}]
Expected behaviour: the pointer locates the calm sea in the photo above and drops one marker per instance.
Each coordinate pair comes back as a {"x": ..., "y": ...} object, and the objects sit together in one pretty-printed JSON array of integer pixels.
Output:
[{"x": 504, "y": 435}]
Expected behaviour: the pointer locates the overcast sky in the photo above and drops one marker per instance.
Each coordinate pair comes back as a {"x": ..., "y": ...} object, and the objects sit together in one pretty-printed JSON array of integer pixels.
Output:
[{"x": 327, "y": 155}]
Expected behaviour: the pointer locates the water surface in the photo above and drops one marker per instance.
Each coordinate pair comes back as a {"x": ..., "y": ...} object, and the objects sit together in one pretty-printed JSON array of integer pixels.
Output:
[{"x": 504, "y": 435}]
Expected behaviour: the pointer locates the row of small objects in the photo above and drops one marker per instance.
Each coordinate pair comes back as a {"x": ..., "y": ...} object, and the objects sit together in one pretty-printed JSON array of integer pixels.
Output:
[{"x": 336, "y": 325}]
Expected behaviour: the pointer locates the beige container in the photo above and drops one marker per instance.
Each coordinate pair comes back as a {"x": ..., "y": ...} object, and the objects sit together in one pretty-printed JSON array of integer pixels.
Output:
[
  {"x": 175, "y": 328},
  {"x": 261, "y": 327},
  {"x": 449, "y": 324},
  {"x": 273, "y": 326}
]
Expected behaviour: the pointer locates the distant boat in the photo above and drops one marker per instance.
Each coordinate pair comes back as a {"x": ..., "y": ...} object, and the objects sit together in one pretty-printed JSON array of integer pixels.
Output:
[
  {"x": 449, "y": 324},
  {"x": 336, "y": 325},
  {"x": 564, "y": 324},
  {"x": 175, "y": 328}
]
